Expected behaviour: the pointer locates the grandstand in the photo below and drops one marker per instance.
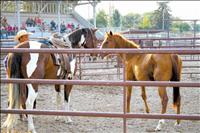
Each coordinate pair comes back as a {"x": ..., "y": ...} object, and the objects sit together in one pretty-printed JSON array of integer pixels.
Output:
[{"x": 46, "y": 11}]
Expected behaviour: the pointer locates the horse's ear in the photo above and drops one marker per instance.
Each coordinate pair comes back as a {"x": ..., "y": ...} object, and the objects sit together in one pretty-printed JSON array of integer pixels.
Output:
[
  {"x": 111, "y": 33},
  {"x": 94, "y": 30},
  {"x": 83, "y": 30}
]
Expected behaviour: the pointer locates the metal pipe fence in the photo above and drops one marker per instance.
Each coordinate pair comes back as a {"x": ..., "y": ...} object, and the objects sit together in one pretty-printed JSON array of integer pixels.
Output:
[
  {"x": 123, "y": 83},
  {"x": 103, "y": 51}
]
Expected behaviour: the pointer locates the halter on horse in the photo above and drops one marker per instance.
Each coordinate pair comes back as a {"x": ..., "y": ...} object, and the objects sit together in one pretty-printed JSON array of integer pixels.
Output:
[
  {"x": 144, "y": 67},
  {"x": 41, "y": 66}
]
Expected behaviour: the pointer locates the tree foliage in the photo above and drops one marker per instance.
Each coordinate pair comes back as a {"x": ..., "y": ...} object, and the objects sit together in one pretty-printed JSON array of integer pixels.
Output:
[
  {"x": 163, "y": 12},
  {"x": 131, "y": 20},
  {"x": 198, "y": 27},
  {"x": 102, "y": 19},
  {"x": 145, "y": 23},
  {"x": 180, "y": 27},
  {"x": 116, "y": 18}
]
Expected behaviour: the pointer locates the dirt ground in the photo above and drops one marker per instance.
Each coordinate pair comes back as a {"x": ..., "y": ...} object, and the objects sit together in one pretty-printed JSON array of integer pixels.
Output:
[{"x": 109, "y": 99}]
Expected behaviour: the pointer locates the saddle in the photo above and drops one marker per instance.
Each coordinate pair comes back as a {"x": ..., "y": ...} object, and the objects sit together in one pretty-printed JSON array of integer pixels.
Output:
[{"x": 61, "y": 60}]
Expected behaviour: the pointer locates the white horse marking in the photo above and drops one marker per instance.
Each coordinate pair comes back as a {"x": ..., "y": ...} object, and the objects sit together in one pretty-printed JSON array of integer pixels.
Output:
[
  {"x": 32, "y": 64},
  {"x": 66, "y": 107},
  {"x": 59, "y": 71},
  {"x": 66, "y": 37},
  {"x": 73, "y": 66},
  {"x": 58, "y": 103},
  {"x": 29, "y": 105},
  {"x": 160, "y": 124},
  {"x": 81, "y": 41}
]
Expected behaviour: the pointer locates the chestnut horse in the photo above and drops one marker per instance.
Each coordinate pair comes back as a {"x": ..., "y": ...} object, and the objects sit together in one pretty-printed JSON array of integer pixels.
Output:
[
  {"x": 43, "y": 66},
  {"x": 145, "y": 67}
]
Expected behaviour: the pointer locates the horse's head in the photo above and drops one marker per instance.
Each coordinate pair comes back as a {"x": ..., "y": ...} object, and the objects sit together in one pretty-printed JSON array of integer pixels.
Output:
[
  {"x": 117, "y": 41},
  {"x": 91, "y": 40},
  {"x": 108, "y": 42},
  {"x": 82, "y": 38}
]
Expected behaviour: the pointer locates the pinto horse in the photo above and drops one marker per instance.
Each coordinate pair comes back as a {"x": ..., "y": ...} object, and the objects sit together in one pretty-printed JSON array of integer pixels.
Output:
[
  {"x": 145, "y": 67},
  {"x": 42, "y": 66}
]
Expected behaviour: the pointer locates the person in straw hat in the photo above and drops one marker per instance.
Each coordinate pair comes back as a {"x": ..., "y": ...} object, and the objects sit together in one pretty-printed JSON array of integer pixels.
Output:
[{"x": 21, "y": 37}]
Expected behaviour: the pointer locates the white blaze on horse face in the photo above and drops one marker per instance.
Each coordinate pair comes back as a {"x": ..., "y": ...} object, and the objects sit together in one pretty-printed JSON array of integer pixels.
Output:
[
  {"x": 81, "y": 41},
  {"x": 66, "y": 37},
  {"x": 73, "y": 66},
  {"x": 32, "y": 64}
]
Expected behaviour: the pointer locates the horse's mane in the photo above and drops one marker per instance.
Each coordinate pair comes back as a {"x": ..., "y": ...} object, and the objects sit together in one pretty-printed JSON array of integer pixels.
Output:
[{"x": 125, "y": 41}]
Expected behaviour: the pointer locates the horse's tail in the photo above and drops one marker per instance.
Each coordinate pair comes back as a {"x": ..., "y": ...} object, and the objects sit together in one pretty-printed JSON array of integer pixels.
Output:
[
  {"x": 14, "y": 63},
  {"x": 176, "y": 76}
]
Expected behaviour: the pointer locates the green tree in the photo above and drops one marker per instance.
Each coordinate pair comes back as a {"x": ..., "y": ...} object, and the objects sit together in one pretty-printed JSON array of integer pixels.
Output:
[
  {"x": 163, "y": 12},
  {"x": 131, "y": 20},
  {"x": 185, "y": 27},
  {"x": 198, "y": 27},
  {"x": 102, "y": 19},
  {"x": 180, "y": 26},
  {"x": 116, "y": 18},
  {"x": 145, "y": 23}
]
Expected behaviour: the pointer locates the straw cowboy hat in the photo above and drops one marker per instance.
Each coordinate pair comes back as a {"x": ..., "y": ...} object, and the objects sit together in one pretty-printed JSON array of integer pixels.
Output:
[{"x": 22, "y": 33}]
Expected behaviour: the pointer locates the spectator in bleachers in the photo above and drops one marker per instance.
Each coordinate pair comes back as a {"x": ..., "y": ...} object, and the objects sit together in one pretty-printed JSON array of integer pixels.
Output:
[
  {"x": 9, "y": 29},
  {"x": 78, "y": 26},
  {"x": 3, "y": 33},
  {"x": 32, "y": 22},
  {"x": 23, "y": 27},
  {"x": 62, "y": 27},
  {"x": 4, "y": 22},
  {"x": 73, "y": 26},
  {"x": 28, "y": 22},
  {"x": 53, "y": 25},
  {"x": 69, "y": 27},
  {"x": 15, "y": 29},
  {"x": 38, "y": 21}
]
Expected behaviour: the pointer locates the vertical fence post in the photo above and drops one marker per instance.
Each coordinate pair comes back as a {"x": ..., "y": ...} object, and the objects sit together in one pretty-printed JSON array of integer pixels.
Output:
[
  {"x": 194, "y": 28},
  {"x": 79, "y": 62},
  {"x": 118, "y": 67},
  {"x": 18, "y": 6},
  {"x": 58, "y": 11},
  {"x": 124, "y": 98}
]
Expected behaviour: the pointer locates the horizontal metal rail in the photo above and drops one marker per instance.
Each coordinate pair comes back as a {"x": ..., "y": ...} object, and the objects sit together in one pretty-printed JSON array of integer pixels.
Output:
[
  {"x": 103, "y": 51},
  {"x": 102, "y": 114},
  {"x": 172, "y": 46},
  {"x": 102, "y": 83},
  {"x": 108, "y": 74},
  {"x": 171, "y": 38},
  {"x": 113, "y": 67}
]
